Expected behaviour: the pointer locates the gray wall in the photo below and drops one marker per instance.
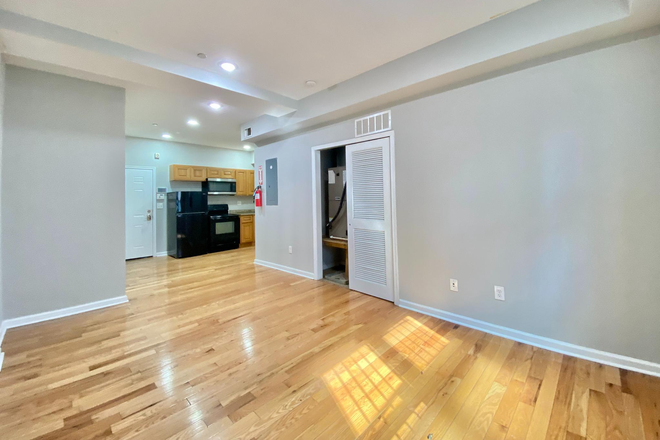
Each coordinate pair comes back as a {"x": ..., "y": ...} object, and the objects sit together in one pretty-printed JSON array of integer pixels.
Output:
[
  {"x": 140, "y": 152},
  {"x": 62, "y": 192},
  {"x": 2, "y": 106},
  {"x": 544, "y": 181}
]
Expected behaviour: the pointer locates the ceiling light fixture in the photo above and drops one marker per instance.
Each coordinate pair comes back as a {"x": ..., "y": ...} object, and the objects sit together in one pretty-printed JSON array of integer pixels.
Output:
[
  {"x": 167, "y": 136},
  {"x": 154, "y": 124},
  {"x": 201, "y": 55},
  {"x": 193, "y": 122},
  {"x": 247, "y": 147},
  {"x": 310, "y": 83},
  {"x": 215, "y": 106},
  {"x": 229, "y": 67}
]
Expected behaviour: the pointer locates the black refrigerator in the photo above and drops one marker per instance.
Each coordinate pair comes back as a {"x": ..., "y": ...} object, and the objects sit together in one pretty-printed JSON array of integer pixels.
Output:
[{"x": 187, "y": 224}]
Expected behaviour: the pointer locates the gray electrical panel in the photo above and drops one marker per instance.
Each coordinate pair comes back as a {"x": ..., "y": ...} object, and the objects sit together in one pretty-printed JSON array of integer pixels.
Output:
[{"x": 271, "y": 182}]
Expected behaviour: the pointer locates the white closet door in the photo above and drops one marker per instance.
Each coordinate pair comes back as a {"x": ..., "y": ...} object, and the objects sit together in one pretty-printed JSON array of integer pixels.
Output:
[{"x": 370, "y": 218}]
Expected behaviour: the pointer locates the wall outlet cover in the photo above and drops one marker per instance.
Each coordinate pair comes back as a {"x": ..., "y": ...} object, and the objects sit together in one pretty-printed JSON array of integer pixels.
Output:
[
  {"x": 453, "y": 285},
  {"x": 499, "y": 293},
  {"x": 290, "y": 249}
]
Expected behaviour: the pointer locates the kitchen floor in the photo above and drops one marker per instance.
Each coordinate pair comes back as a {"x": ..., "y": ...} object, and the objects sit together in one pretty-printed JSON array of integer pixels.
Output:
[{"x": 216, "y": 347}]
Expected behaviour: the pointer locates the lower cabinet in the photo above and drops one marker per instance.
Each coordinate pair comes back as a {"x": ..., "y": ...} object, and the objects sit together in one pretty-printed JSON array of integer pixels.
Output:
[{"x": 247, "y": 229}]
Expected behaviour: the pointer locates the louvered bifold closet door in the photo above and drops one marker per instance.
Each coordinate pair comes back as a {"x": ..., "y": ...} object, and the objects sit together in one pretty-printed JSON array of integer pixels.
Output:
[{"x": 370, "y": 218}]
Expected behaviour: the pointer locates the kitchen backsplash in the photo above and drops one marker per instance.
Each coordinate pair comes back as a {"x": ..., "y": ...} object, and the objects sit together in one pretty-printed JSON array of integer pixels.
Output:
[{"x": 234, "y": 202}]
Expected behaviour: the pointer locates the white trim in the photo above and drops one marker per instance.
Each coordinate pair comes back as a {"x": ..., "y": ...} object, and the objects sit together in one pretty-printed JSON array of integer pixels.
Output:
[
  {"x": 154, "y": 201},
  {"x": 61, "y": 313},
  {"x": 317, "y": 236},
  {"x": 2, "y": 359},
  {"x": 161, "y": 254},
  {"x": 590, "y": 354},
  {"x": 286, "y": 269}
]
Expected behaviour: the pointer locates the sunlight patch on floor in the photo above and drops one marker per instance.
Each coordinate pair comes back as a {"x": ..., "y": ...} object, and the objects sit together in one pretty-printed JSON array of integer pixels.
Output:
[
  {"x": 362, "y": 384},
  {"x": 416, "y": 341}
]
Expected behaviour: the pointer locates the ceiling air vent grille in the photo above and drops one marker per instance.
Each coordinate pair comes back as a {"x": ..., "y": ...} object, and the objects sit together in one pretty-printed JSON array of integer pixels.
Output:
[{"x": 373, "y": 124}]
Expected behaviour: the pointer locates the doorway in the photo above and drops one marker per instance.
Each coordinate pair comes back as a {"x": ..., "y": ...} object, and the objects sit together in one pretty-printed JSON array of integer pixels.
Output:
[
  {"x": 370, "y": 213},
  {"x": 140, "y": 213}
]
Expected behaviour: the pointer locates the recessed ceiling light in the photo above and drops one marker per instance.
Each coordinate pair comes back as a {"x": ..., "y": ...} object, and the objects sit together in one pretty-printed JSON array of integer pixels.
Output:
[
  {"x": 215, "y": 106},
  {"x": 154, "y": 124},
  {"x": 247, "y": 147},
  {"x": 310, "y": 83},
  {"x": 167, "y": 136},
  {"x": 229, "y": 67},
  {"x": 201, "y": 55},
  {"x": 193, "y": 122}
]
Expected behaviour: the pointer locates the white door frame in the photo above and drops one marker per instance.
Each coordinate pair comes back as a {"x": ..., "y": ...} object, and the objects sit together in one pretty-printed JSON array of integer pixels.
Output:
[
  {"x": 317, "y": 229},
  {"x": 154, "y": 226}
]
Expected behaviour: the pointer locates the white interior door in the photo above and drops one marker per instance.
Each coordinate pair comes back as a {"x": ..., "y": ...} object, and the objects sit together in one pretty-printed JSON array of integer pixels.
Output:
[
  {"x": 368, "y": 189},
  {"x": 139, "y": 213}
]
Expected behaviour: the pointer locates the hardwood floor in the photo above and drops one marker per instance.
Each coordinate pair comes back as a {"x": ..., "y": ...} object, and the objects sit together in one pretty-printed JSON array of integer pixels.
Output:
[{"x": 216, "y": 347}]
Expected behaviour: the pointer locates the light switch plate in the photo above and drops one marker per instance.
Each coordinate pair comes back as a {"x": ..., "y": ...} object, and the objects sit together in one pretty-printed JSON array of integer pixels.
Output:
[
  {"x": 453, "y": 285},
  {"x": 159, "y": 205}
]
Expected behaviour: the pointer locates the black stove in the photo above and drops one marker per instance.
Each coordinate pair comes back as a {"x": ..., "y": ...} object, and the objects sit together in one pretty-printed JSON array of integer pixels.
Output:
[{"x": 224, "y": 228}]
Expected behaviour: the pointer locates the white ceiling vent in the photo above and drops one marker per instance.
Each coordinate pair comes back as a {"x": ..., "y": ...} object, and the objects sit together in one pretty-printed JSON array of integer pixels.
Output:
[{"x": 373, "y": 124}]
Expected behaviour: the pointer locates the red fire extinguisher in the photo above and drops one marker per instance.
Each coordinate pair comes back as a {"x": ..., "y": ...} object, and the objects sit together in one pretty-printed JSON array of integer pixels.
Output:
[{"x": 257, "y": 196}]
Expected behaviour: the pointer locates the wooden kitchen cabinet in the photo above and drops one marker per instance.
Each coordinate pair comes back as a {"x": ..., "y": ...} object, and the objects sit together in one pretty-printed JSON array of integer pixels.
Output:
[
  {"x": 198, "y": 174},
  {"x": 213, "y": 173},
  {"x": 247, "y": 229},
  {"x": 188, "y": 173},
  {"x": 180, "y": 172},
  {"x": 193, "y": 173},
  {"x": 250, "y": 182},
  {"x": 220, "y": 173},
  {"x": 241, "y": 182},
  {"x": 226, "y": 173}
]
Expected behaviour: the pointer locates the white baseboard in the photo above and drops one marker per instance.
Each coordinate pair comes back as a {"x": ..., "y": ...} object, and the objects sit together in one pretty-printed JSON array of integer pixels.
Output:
[
  {"x": 161, "y": 254},
  {"x": 590, "y": 354},
  {"x": 61, "y": 313},
  {"x": 286, "y": 269}
]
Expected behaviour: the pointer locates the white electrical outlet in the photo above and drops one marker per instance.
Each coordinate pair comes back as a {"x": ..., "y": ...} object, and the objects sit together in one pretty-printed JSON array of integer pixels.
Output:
[
  {"x": 453, "y": 285},
  {"x": 499, "y": 293},
  {"x": 290, "y": 249}
]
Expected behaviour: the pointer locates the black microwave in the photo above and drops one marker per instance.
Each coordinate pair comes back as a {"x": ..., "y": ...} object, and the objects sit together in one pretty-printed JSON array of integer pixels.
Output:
[{"x": 219, "y": 187}]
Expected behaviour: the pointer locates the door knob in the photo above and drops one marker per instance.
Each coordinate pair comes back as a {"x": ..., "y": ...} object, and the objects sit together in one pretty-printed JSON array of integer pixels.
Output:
[{"x": 148, "y": 217}]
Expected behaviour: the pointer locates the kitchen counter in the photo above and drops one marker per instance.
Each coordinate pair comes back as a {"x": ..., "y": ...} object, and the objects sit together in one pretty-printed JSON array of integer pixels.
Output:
[{"x": 242, "y": 211}]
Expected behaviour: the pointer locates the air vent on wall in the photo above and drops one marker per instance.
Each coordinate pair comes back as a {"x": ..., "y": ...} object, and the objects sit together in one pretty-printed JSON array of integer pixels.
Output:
[{"x": 373, "y": 124}]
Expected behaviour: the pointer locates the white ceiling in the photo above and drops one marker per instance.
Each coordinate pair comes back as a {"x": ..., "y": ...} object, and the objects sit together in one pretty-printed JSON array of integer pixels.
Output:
[
  {"x": 152, "y": 96},
  {"x": 363, "y": 54},
  {"x": 277, "y": 45}
]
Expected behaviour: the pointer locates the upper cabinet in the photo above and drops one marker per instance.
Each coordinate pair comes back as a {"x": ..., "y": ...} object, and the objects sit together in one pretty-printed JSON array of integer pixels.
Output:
[
  {"x": 191, "y": 173},
  {"x": 198, "y": 174},
  {"x": 244, "y": 182},
  {"x": 221, "y": 173},
  {"x": 180, "y": 172},
  {"x": 188, "y": 173},
  {"x": 250, "y": 182}
]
